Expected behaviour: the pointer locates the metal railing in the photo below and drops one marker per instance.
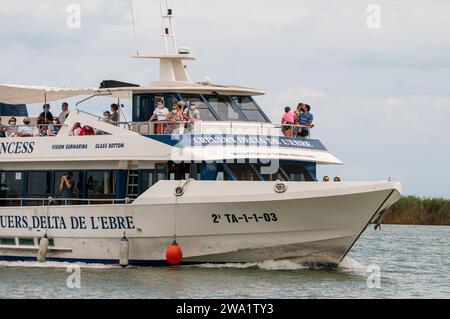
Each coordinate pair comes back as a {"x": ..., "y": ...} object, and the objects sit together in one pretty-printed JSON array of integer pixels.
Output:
[
  {"x": 50, "y": 201},
  {"x": 178, "y": 128},
  {"x": 34, "y": 130}
]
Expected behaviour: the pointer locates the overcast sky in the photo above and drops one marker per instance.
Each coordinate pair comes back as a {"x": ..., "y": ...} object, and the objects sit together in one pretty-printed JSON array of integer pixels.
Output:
[{"x": 380, "y": 97}]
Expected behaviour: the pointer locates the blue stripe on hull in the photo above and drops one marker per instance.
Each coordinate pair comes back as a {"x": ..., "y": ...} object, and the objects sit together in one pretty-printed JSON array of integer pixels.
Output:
[{"x": 140, "y": 263}]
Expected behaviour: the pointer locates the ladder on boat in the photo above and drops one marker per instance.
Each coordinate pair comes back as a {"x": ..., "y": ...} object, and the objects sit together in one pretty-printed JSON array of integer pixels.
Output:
[{"x": 133, "y": 184}]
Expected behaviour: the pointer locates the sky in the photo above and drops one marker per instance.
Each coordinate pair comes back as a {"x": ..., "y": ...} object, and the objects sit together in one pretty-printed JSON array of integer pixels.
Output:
[{"x": 379, "y": 85}]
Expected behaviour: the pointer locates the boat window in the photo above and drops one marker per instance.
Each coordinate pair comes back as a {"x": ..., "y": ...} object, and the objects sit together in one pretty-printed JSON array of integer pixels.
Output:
[
  {"x": 271, "y": 172},
  {"x": 147, "y": 180},
  {"x": 8, "y": 241},
  {"x": 11, "y": 185},
  {"x": 143, "y": 107},
  {"x": 243, "y": 172},
  {"x": 26, "y": 241},
  {"x": 202, "y": 106},
  {"x": 162, "y": 172},
  {"x": 101, "y": 184},
  {"x": 39, "y": 184},
  {"x": 77, "y": 183},
  {"x": 224, "y": 107},
  {"x": 297, "y": 173},
  {"x": 250, "y": 109},
  {"x": 169, "y": 100}
]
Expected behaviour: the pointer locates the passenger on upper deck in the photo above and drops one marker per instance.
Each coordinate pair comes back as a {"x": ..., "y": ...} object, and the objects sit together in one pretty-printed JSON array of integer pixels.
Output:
[
  {"x": 64, "y": 114},
  {"x": 46, "y": 114},
  {"x": 306, "y": 119},
  {"x": 160, "y": 114},
  {"x": 177, "y": 116},
  {"x": 87, "y": 130},
  {"x": 41, "y": 126},
  {"x": 107, "y": 116},
  {"x": 3, "y": 130},
  {"x": 297, "y": 113},
  {"x": 76, "y": 129},
  {"x": 53, "y": 129},
  {"x": 12, "y": 130},
  {"x": 192, "y": 115},
  {"x": 115, "y": 116},
  {"x": 26, "y": 130},
  {"x": 287, "y": 122}
]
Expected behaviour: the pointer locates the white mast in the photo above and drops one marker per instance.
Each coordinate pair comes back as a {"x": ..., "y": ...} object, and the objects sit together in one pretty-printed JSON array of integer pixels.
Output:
[
  {"x": 167, "y": 26},
  {"x": 172, "y": 68}
]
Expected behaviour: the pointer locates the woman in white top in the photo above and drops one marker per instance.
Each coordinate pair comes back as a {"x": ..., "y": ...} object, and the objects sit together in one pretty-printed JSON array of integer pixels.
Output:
[{"x": 160, "y": 114}]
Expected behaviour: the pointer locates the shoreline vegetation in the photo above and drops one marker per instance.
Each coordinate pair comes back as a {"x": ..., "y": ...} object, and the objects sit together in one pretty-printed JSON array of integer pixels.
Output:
[{"x": 413, "y": 210}]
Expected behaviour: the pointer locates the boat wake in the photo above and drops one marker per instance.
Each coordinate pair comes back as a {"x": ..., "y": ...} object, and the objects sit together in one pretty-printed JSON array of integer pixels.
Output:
[
  {"x": 51, "y": 264},
  {"x": 348, "y": 264}
]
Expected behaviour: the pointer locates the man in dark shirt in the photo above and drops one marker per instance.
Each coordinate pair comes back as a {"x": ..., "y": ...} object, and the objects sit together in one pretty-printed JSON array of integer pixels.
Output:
[
  {"x": 46, "y": 114},
  {"x": 306, "y": 121}
]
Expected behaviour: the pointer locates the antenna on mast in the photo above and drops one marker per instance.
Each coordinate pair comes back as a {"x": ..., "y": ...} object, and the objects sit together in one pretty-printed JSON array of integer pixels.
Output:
[
  {"x": 171, "y": 65},
  {"x": 167, "y": 26}
]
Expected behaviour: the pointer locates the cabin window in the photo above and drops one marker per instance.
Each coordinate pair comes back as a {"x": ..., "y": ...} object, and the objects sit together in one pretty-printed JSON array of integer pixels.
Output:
[
  {"x": 11, "y": 185},
  {"x": 8, "y": 241},
  {"x": 143, "y": 107},
  {"x": 271, "y": 171},
  {"x": 297, "y": 173},
  {"x": 101, "y": 184},
  {"x": 162, "y": 172},
  {"x": 77, "y": 178},
  {"x": 243, "y": 172},
  {"x": 224, "y": 108},
  {"x": 202, "y": 106},
  {"x": 169, "y": 100},
  {"x": 26, "y": 241},
  {"x": 250, "y": 109},
  {"x": 39, "y": 184},
  {"x": 147, "y": 180}
]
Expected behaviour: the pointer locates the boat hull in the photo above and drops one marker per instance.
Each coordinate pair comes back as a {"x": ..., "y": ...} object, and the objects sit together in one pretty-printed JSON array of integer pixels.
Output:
[{"x": 236, "y": 222}]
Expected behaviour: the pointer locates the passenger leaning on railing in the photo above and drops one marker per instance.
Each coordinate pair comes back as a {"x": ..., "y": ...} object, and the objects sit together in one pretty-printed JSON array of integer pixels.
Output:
[
  {"x": 177, "y": 116},
  {"x": 192, "y": 115},
  {"x": 160, "y": 114},
  {"x": 306, "y": 120},
  {"x": 287, "y": 122}
]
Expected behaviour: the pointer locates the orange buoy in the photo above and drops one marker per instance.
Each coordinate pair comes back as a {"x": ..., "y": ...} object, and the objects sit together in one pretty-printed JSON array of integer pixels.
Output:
[{"x": 174, "y": 254}]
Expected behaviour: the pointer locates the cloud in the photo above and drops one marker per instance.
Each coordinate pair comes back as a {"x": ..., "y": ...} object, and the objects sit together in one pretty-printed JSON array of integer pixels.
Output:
[{"x": 381, "y": 98}]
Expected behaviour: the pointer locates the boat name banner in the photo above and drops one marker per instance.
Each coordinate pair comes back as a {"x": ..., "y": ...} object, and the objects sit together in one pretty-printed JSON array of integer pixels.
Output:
[
  {"x": 239, "y": 140},
  {"x": 16, "y": 147},
  {"x": 67, "y": 222}
]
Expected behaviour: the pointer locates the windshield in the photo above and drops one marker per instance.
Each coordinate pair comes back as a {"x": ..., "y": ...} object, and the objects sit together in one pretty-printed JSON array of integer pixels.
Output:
[
  {"x": 250, "y": 109},
  {"x": 224, "y": 107},
  {"x": 205, "y": 112}
]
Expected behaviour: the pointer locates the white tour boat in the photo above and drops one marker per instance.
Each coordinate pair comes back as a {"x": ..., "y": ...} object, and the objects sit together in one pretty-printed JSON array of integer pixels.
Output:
[{"x": 229, "y": 187}]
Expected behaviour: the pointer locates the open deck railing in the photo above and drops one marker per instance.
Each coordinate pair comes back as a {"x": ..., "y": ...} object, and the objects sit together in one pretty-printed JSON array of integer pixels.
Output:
[
  {"x": 181, "y": 127},
  {"x": 19, "y": 202},
  {"x": 36, "y": 130}
]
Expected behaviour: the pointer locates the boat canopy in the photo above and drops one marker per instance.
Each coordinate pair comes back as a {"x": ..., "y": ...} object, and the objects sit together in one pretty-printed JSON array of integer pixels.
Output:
[{"x": 23, "y": 94}]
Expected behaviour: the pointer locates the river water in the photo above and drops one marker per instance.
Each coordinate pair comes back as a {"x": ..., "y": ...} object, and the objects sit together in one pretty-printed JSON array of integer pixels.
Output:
[{"x": 398, "y": 262}]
